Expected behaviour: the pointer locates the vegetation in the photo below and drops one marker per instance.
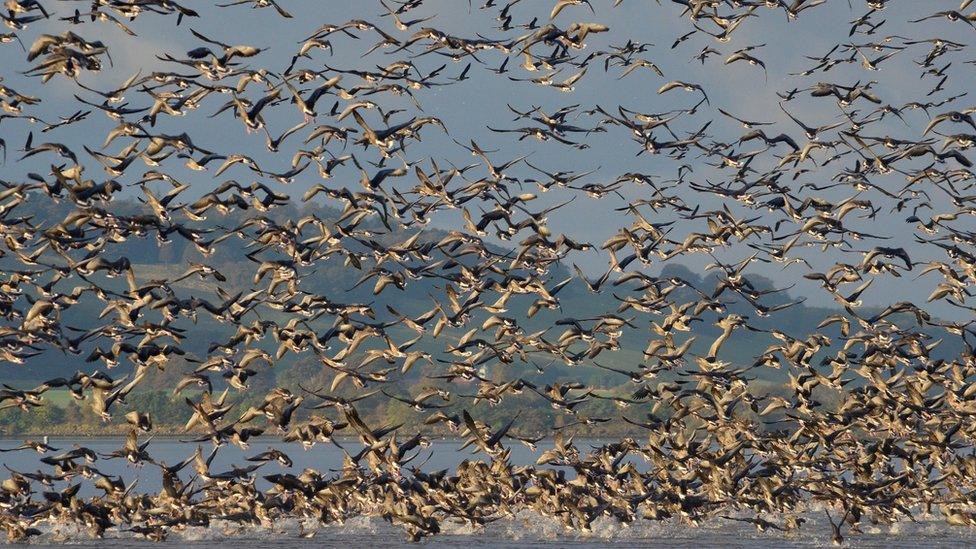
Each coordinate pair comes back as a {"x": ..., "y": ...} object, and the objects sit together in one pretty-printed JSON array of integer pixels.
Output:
[{"x": 64, "y": 415}]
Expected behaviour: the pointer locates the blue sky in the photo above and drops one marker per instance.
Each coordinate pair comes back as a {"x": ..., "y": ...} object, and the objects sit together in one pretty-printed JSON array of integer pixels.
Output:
[{"x": 468, "y": 107}]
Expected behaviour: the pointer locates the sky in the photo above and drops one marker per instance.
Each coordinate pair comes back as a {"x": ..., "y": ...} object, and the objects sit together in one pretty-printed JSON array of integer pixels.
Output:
[{"x": 467, "y": 108}]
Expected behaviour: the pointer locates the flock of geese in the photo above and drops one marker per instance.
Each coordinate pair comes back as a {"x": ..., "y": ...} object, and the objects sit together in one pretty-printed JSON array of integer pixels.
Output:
[{"x": 799, "y": 190}]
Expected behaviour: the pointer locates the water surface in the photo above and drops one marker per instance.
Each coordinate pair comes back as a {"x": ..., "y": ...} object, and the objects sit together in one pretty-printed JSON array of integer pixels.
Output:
[{"x": 526, "y": 529}]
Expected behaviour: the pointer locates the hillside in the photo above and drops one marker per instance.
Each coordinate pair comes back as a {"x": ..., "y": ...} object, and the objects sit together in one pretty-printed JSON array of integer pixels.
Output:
[{"x": 152, "y": 261}]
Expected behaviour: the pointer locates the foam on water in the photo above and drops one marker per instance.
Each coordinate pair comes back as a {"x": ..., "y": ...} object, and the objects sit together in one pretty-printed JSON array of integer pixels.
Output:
[{"x": 525, "y": 528}]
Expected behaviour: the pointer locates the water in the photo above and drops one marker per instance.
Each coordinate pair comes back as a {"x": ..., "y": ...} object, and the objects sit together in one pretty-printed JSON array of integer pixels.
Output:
[
  {"x": 441, "y": 454},
  {"x": 526, "y": 529},
  {"x": 531, "y": 530}
]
